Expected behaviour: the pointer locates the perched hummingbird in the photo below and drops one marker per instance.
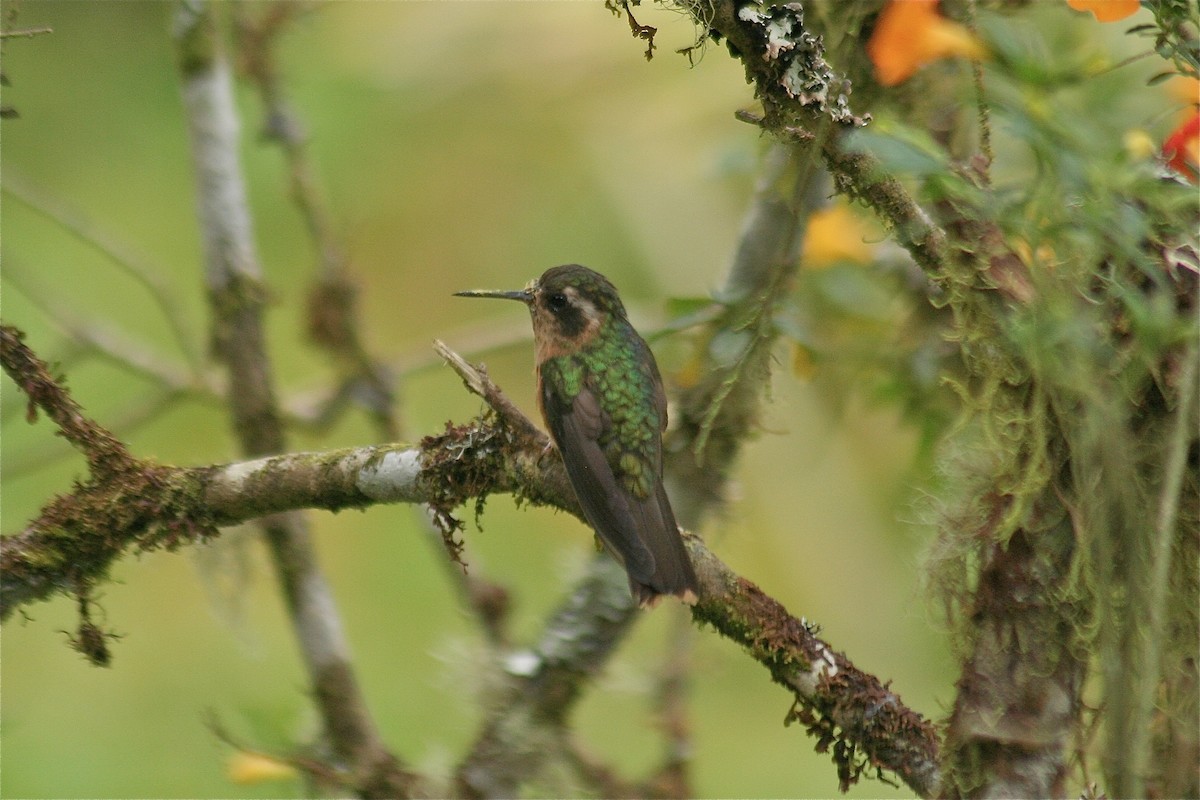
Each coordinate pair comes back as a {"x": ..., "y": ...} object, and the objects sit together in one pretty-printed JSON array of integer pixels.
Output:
[{"x": 602, "y": 399}]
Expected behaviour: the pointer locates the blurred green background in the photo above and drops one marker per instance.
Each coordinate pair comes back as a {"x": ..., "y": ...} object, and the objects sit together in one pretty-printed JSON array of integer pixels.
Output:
[{"x": 460, "y": 145}]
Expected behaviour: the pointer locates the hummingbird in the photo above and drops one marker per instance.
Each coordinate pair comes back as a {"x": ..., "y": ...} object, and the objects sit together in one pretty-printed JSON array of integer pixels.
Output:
[{"x": 601, "y": 397}]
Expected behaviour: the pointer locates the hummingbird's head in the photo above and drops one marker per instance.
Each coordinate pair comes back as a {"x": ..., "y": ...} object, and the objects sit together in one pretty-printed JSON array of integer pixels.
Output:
[{"x": 569, "y": 304}]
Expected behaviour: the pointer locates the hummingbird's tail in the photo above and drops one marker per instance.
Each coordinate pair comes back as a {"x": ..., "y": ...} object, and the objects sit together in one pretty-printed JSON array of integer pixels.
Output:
[{"x": 673, "y": 573}]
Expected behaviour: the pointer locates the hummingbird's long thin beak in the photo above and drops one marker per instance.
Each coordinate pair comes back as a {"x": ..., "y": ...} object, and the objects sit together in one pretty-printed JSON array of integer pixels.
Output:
[{"x": 524, "y": 295}]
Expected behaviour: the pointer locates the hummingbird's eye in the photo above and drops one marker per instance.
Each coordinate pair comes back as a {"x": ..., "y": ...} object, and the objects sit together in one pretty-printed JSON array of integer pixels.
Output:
[{"x": 557, "y": 302}]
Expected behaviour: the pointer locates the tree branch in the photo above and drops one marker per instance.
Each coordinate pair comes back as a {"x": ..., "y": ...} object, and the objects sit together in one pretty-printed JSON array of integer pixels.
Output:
[
  {"x": 866, "y": 724},
  {"x": 716, "y": 412},
  {"x": 105, "y": 454},
  {"x": 1017, "y": 703},
  {"x": 233, "y": 278},
  {"x": 333, "y": 296}
]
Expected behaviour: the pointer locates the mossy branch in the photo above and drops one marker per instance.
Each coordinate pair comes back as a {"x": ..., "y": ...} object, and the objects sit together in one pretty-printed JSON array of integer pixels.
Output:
[
  {"x": 125, "y": 503},
  {"x": 104, "y": 453},
  {"x": 855, "y": 713}
]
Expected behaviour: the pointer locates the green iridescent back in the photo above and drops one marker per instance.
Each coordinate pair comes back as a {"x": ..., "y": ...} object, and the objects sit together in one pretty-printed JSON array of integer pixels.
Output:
[{"x": 618, "y": 368}]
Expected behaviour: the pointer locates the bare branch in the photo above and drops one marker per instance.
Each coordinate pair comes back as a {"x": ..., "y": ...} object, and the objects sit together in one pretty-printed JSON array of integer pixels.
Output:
[
  {"x": 233, "y": 278},
  {"x": 333, "y": 297}
]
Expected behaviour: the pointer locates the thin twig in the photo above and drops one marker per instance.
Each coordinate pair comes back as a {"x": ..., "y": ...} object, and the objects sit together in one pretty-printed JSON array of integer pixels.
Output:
[
  {"x": 102, "y": 338},
  {"x": 118, "y": 253},
  {"x": 25, "y": 33}
]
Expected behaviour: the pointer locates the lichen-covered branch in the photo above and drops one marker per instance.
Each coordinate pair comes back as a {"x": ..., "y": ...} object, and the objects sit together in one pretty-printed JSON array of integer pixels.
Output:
[
  {"x": 125, "y": 503},
  {"x": 864, "y": 722},
  {"x": 779, "y": 53},
  {"x": 233, "y": 279},
  {"x": 784, "y": 59},
  {"x": 146, "y": 506},
  {"x": 852, "y": 713}
]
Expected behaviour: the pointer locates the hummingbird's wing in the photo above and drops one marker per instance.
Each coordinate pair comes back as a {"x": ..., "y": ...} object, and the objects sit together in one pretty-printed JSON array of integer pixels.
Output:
[{"x": 617, "y": 517}]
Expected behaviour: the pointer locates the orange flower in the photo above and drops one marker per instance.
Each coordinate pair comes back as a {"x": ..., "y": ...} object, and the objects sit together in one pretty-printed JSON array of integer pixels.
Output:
[
  {"x": 910, "y": 34},
  {"x": 1183, "y": 90},
  {"x": 1107, "y": 10},
  {"x": 1182, "y": 148},
  {"x": 835, "y": 235}
]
